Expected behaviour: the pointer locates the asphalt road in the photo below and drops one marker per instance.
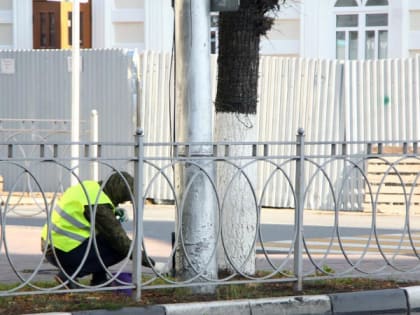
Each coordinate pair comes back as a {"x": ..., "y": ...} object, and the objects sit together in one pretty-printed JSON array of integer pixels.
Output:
[{"x": 159, "y": 223}]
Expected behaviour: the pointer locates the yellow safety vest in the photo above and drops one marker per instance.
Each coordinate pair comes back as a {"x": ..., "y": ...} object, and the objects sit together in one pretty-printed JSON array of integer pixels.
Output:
[{"x": 69, "y": 227}]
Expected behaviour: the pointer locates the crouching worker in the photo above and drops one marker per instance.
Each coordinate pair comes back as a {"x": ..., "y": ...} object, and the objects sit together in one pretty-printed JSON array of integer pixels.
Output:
[{"x": 70, "y": 230}]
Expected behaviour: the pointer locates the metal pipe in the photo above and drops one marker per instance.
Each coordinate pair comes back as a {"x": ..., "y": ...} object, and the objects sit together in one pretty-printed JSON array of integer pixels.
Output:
[
  {"x": 300, "y": 193},
  {"x": 138, "y": 207}
]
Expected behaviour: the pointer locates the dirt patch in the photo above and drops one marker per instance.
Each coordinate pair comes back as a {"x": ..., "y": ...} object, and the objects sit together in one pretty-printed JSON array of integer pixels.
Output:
[{"x": 68, "y": 302}]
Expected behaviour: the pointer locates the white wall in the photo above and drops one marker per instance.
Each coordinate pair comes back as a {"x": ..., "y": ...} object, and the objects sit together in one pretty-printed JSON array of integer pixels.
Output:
[
  {"x": 134, "y": 24},
  {"x": 159, "y": 25},
  {"x": 398, "y": 29},
  {"x": 304, "y": 28},
  {"x": 284, "y": 36},
  {"x": 318, "y": 29},
  {"x": 6, "y": 24},
  {"x": 22, "y": 17},
  {"x": 101, "y": 24}
]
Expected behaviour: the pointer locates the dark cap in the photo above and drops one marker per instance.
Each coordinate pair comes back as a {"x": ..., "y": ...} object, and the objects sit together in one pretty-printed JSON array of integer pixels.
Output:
[{"x": 118, "y": 187}]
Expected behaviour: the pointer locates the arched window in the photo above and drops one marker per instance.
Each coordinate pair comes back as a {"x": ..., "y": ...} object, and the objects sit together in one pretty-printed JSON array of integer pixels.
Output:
[{"x": 361, "y": 29}]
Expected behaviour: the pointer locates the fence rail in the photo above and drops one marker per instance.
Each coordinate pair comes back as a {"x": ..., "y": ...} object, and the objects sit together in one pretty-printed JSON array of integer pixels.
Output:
[{"x": 288, "y": 246}]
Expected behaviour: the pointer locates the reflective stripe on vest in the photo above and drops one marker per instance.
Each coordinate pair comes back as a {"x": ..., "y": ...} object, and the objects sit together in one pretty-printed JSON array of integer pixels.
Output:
[
  {"x": 69, "y": 234},
  {"x": 72, "y": 220}
]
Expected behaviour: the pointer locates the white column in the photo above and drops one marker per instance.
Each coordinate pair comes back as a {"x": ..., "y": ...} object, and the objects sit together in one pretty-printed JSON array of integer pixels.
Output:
[
  {"x": 22, "y": 24},
  {"x": 318, "y": 29},
  {"x": 75, "y": 89},
  {"x": 399, "y": 31},
  {"x": 158, "y": 25},
  {"x": 102, "y": 24}
]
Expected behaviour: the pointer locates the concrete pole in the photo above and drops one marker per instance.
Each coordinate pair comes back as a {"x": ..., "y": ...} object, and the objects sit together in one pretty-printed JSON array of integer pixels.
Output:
[
  {"x": 196, "y": 220},
  {"x": 75, "y": 89}
]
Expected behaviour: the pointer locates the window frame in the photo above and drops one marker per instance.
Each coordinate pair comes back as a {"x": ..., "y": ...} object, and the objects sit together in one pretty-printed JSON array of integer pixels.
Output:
[{"x": 361, "y": 11}]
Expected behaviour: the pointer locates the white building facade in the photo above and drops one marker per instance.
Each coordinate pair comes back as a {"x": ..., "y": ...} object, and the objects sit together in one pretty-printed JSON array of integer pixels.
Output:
[
  {"x": 133, "y": 24},
  {"x": 330, "y": 29}
]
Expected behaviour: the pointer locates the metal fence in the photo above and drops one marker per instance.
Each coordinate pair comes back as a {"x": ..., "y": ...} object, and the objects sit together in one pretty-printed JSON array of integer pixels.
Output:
[{"x": 288, "y": 254}]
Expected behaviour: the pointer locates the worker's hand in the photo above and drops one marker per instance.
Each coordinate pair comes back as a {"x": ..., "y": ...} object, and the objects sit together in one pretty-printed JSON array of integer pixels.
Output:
[
  {"x": 161, "y": 268},
  {"x": 121, "y": 215}
]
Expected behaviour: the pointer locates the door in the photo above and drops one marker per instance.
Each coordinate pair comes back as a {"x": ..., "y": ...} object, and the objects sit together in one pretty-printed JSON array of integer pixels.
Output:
[
  {"x": 85, "y": 26},
  {"x": 46, "y": 23},
  {"x": 52, "y": 24}
]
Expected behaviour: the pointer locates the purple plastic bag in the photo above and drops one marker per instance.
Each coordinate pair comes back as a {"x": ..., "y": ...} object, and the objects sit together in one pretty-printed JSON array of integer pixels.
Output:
[{"x": 126, "y": 278}]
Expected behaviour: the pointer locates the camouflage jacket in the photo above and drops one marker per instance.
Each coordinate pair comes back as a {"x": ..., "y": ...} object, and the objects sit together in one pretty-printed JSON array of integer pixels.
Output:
[{"x": 107, "y": 225}]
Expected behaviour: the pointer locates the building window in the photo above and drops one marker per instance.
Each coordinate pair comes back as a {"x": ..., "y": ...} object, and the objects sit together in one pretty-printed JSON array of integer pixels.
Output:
[{"x": 361, "y": 29}]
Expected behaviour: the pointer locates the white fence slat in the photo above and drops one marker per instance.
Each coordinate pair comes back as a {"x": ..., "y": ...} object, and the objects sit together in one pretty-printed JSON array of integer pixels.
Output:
[
  {"x": 309, "y": 90},
  {"x": 403, "y": 101},
  {"x": 359, "y": 81},
  {"x": 368, "y": 132},
  {"x": 389, "y": 93},
  {"x": 320, "y": 130},
  {"x": 331, "y": 127},
  {"x": 416, "y": 96},
  {"x": 353, "y": 112},
  {"x": 286, "y": 122},
  {"x": 396, "y": 76},
  {"x": 409, "y": 99},
  {"x": 381, "y": 101}
]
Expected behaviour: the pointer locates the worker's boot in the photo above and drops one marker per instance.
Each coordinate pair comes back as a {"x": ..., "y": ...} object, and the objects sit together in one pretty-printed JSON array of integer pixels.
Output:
[{"x": 98, "y": 278}]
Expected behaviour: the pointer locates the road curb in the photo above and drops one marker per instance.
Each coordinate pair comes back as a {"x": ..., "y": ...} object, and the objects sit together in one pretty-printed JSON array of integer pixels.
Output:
[
  {"x": 390, "y": 301},
  {"x": 413, "y": 299},
  {"x": 299, "y": 305},
  {"x": 146, "y": 310}
]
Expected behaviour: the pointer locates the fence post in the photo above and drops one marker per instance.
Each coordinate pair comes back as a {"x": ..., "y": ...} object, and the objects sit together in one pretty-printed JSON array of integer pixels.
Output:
[
  {"x": 138, "y": 212},
  {"x": 300, "y": 189}
]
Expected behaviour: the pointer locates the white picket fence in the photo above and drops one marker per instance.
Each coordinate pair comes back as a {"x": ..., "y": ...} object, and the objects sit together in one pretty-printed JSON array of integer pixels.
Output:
[{"x": 331, "y": 100}]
